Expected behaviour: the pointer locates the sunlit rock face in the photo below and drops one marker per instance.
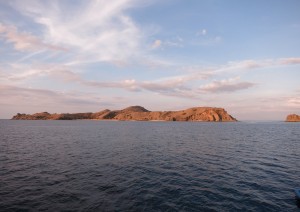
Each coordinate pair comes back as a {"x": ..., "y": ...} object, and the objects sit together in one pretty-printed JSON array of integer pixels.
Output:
[{"x": 293, "y": 118}]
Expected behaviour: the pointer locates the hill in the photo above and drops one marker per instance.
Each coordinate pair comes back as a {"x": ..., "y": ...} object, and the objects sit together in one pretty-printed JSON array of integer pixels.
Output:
[{"x": 293, "y": 118}]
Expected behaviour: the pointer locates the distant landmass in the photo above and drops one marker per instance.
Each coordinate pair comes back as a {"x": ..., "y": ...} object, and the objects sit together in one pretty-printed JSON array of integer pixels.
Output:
[
  {"x": 138, "y": 113},
  {"x": 293, "y": 118}
]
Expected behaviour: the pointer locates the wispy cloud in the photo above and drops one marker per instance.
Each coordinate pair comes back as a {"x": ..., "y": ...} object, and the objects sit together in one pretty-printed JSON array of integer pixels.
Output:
[
  {"x": 156, "y": 44},
  {"x": 227, "y": 85},
  {"x": 24, "y": 41},
  {"x": 289, "y": 61},
  {"x": 177, "y": 86},
  {"x": 193, "y": 82},
  {"x": 176, "y": 42},
  {"x": 170, "y": 86},
  {"x": 246, "y": 65},
  {"x": 101, "y": 31},
  {"x": 290, "y": 102},
  {"x": 16, "y": 95}
]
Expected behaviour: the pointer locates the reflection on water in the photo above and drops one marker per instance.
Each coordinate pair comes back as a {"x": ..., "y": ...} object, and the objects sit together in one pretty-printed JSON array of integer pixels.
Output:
[{"x": 151, "y": 166}]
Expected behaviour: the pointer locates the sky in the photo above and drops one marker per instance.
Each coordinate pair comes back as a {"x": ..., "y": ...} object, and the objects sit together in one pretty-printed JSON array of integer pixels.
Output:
[{"x": 72, "y": 56}]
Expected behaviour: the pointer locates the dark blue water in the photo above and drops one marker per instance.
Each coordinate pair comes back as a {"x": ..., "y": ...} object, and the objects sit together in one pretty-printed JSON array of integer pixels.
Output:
[{"x": 148, "y": 166}]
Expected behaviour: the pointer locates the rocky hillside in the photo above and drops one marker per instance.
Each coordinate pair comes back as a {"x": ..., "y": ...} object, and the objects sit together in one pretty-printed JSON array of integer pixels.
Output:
[
  {"x": 138, "y": 113},
  {"x": 293, "y": 118}
]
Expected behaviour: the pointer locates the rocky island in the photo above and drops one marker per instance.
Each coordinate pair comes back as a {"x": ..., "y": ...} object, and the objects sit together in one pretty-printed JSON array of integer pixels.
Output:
[
  {"x": 138, "y": 113},
  {"x": 293, "y": 118}
]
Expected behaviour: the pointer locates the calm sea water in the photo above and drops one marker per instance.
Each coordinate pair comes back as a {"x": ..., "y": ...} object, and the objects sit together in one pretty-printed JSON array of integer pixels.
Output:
[{"x": 148, "y": 166}]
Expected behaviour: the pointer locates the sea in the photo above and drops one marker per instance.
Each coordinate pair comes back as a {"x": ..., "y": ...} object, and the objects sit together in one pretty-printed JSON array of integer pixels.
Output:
[{"x": 86, "y": 165}]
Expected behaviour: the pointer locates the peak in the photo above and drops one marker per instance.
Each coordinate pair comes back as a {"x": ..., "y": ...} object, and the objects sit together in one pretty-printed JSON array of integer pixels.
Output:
[{"x": 136, "y": 109}]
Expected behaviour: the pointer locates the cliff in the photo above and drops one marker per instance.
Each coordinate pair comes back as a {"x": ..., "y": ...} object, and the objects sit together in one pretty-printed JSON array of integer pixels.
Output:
[
  {"x": 138, "y": 113},
  {"x": 293, "y": 118}
]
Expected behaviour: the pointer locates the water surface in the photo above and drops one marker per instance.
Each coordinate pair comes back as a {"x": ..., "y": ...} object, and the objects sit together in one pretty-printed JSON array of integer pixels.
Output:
[{"x": 148, "y": 166}]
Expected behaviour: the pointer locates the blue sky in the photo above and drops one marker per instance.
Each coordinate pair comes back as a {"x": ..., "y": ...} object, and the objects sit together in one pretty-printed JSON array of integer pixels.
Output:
[{"x": 86, "y": 56}]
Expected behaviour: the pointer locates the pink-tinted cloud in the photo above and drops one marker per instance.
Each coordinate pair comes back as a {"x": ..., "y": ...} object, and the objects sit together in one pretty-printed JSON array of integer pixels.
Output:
[
  {"x": 24, "y": 41},
  {"x": 229, "y": 85},
  {"x": 289, "y": 61}
]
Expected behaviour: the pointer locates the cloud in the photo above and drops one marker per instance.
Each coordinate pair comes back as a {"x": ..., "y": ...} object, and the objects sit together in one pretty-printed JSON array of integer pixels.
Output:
[
  {"x": 289, "y": 103},
  {"x": 228, "y": 85},
  {"x": 156, "y": 44},
  {"x": 242, "y": 65},
  {"x": 184, "y": 85},
  {"x": 24, "y": 41},
  {"x": 293, "y": 102},
  {"x": 172, "y": 86},
  {"x": 101, "y": 31},
  {"x": 164, "y": 87},
  {"x": 31, "y": 97},
  {"x": 177, "y": 42},
  {"x": 167, "y": 87},
  {"x": 245, "y": 65},
  {"x": 289, "y": 61},
  {"x": 22, "y": 72}
]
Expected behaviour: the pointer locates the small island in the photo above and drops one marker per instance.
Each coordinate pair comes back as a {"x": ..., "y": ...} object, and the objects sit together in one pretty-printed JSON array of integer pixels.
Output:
[
  {"x": 138, "y": 113},
  {"x": 293, "y": 118}
]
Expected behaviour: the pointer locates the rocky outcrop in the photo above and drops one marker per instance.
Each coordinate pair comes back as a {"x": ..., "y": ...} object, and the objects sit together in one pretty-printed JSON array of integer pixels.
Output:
[
  {"x": 138, "y": 113},
  {"x": 293, "y": 118}
]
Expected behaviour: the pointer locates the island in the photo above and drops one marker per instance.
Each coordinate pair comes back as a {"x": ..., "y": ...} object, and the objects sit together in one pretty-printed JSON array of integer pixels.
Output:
[
  {"x": 293, "y": 118},
  {"x": 138, "y": 113}
]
